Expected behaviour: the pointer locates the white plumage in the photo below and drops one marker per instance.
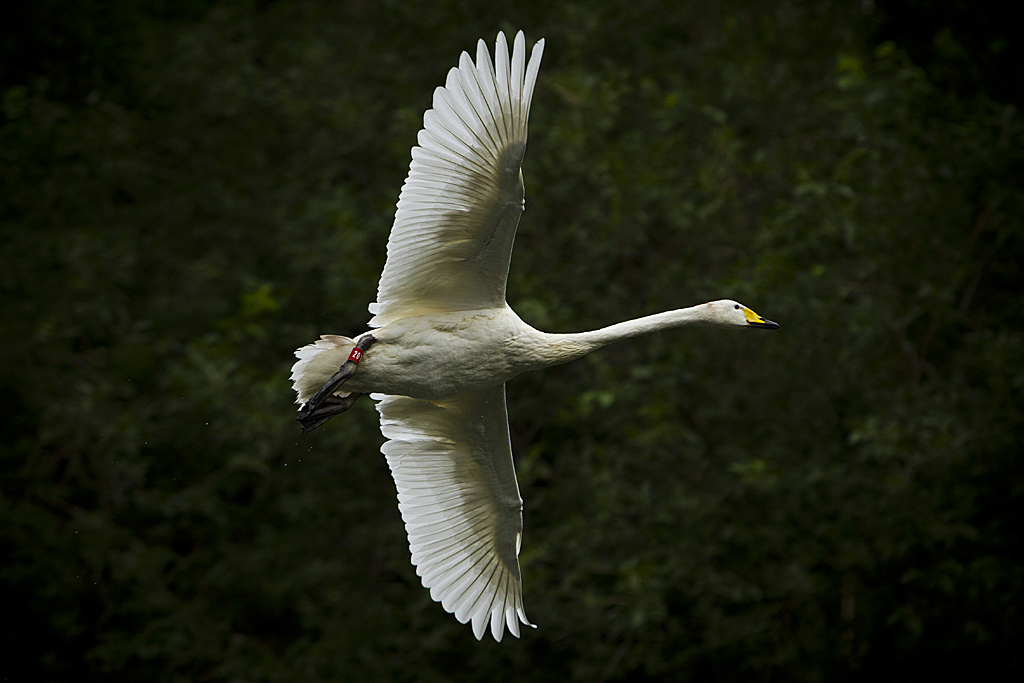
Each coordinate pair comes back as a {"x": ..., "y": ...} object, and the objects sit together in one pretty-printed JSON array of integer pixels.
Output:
[
  {"x": 457, "y": 492},
  {"x": 445, "y": 341},
  {"x": 452, "y": 239}
]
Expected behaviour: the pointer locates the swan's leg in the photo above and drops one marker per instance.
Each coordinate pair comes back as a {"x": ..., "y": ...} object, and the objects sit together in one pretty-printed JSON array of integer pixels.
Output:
[
  {"x": 331, "y": 406},
  {"x": 324, "y": 404}
]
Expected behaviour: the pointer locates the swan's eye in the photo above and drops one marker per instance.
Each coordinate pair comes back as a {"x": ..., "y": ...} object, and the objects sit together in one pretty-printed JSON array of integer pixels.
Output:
[{"x": 737, "y": 307}]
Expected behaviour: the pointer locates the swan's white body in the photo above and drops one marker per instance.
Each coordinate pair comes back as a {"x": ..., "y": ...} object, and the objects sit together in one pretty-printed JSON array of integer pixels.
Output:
[{"x": 446, "y": 341}]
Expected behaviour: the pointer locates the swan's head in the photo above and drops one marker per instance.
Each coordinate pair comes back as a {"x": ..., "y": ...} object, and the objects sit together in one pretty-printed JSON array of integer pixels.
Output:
[{"x": 732, "y": 314}]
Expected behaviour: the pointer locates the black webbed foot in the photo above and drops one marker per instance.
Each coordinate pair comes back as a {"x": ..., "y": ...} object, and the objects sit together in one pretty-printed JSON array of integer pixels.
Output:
[
  {"x": 311, "y": 418},
  {"x": 324, "y": 404},
  {"x": 326, "y": 392}
]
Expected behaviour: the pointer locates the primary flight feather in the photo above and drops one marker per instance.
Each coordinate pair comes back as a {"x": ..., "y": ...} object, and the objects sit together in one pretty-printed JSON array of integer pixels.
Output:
[{"x": 445, "y": 341}]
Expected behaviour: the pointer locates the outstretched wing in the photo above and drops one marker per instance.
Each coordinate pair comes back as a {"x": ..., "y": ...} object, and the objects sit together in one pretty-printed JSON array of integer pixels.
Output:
[
  {"x": 452, "y": 464},
  {"x": 451, "y": 243}
]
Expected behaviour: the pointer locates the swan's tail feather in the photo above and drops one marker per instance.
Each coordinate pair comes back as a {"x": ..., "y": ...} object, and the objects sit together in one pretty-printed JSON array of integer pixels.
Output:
[{"x": 317, "y": 363}]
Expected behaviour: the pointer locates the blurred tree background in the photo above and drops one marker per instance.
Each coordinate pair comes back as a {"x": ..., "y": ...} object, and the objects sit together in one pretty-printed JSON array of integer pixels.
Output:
[{"x": 191, "y": 190}]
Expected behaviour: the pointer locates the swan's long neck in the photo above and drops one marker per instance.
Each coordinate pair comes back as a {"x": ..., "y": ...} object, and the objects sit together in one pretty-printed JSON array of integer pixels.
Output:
[{"x": 553, "y": 349}]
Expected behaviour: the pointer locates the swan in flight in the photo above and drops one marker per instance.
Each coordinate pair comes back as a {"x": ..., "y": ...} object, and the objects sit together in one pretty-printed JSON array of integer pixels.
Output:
[{"x": 444, "y": 342}]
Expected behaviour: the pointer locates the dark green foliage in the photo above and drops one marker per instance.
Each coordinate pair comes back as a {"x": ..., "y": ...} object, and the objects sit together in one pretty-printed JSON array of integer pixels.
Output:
[{"x": 189, "y": 192}]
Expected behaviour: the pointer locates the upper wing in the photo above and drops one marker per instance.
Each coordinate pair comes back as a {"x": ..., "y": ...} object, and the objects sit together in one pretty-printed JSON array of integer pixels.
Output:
[
  {"x": 451, "y": 243},
  {"x": 452, "y": 464}
]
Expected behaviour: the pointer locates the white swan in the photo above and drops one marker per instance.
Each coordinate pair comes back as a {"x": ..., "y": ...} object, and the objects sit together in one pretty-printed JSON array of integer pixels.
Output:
[{"x": 446, "y": 342}]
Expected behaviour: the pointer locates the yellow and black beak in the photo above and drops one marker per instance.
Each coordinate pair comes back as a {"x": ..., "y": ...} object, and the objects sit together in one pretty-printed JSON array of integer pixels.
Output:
[{"x": 754, "y": 320}]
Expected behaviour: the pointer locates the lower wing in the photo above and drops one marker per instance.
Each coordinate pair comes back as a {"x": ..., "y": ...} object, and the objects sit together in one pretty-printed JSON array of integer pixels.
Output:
[{"x": 457, "y": 492}]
